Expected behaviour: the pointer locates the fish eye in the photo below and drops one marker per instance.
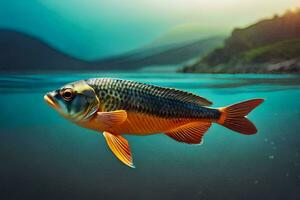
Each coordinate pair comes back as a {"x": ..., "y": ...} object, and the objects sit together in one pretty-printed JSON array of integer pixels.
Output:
[{"x": 67, "y": 94}]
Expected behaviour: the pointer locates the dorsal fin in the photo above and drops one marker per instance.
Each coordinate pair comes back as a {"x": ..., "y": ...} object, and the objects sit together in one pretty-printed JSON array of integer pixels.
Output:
[
  {"x": 185, "y": 96},
  {"x": 169, "y": 92},
  {"x": 190, "y": 133}
]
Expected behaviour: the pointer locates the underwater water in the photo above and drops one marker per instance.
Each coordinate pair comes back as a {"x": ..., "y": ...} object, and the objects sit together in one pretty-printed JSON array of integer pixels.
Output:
[{"x": 43, "y": 156}]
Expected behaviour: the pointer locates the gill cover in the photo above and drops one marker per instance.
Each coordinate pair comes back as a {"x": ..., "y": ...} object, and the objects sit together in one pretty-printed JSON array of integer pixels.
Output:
[{"x": 76, "y": 101}]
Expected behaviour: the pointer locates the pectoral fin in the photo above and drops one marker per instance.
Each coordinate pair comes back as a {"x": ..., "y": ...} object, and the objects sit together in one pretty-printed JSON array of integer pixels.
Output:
[
  {"x": 110, "y": 119},
  {"x": 190, "y": 133},
  {"x": 120, "y": 147}
]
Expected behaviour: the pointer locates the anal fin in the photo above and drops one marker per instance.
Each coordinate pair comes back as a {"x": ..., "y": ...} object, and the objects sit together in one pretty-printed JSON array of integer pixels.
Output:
[
  {"x": 190, "y": 133},
  {"x": 120, "y": 147}
]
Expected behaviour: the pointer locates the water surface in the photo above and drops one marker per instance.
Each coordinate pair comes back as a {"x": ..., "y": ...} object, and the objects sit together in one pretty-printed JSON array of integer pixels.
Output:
[{"x": 43, "y": 156}]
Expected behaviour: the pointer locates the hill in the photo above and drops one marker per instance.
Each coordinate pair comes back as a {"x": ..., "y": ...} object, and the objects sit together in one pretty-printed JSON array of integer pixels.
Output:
[
  {"x": 271, "y": 45},
  {"x": 186, "y": 33},
  {"x": 175, "y": 54},
  {"x": 22, "y": 52}
]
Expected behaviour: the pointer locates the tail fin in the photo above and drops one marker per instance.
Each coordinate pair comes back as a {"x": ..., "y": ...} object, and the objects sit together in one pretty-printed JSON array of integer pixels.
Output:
[{"x": 234, "y": 116}]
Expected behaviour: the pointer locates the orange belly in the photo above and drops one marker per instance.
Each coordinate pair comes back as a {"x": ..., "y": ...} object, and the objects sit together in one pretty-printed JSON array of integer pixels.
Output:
[{"x": 140, "y": 124}]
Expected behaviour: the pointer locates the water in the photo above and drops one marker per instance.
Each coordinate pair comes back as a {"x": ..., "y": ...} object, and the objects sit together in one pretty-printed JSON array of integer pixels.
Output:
[{"x": 43, "y": 156}]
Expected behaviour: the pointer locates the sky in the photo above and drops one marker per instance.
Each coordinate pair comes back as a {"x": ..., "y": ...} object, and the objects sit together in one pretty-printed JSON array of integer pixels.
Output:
[{"x": 93, "y": 29}]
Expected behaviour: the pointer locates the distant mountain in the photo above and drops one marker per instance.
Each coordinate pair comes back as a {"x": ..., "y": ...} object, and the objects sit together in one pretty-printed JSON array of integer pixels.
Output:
[
  {"x": 176, "y": 54},
  {"x": 271, "y": 45},
  {"x": 21, "y": 52},
  {"x": 187, "y": 33}
]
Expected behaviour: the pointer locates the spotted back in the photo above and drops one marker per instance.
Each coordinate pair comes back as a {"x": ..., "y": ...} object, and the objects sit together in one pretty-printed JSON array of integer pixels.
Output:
[{"x": 115, "y": 94}]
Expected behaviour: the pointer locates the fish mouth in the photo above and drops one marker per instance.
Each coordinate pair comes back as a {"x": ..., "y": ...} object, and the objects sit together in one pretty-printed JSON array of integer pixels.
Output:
[{"x": 49, "y": 100}]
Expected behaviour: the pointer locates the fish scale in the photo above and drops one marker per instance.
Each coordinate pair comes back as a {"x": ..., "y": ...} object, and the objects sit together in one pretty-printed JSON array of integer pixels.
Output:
[{"x": 138, "y": 97}]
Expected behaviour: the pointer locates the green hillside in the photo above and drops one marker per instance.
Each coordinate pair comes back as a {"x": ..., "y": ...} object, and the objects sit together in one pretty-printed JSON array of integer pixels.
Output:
[
  {"x": 284, "y": 50},
  {"x": 271, "y": 45}
]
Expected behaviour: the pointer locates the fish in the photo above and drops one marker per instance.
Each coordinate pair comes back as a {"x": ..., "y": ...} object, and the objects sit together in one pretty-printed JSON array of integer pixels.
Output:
[{"x": 119, "y": 107}]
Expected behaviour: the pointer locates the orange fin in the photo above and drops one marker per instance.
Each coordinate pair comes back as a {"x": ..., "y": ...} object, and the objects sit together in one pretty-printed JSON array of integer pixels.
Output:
[
  {"x": 113, "y": 118},
  {"x": 120, "y": 147},
  {"x": 234, "y": 116},
  {"x": 190, "y": 133}
]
